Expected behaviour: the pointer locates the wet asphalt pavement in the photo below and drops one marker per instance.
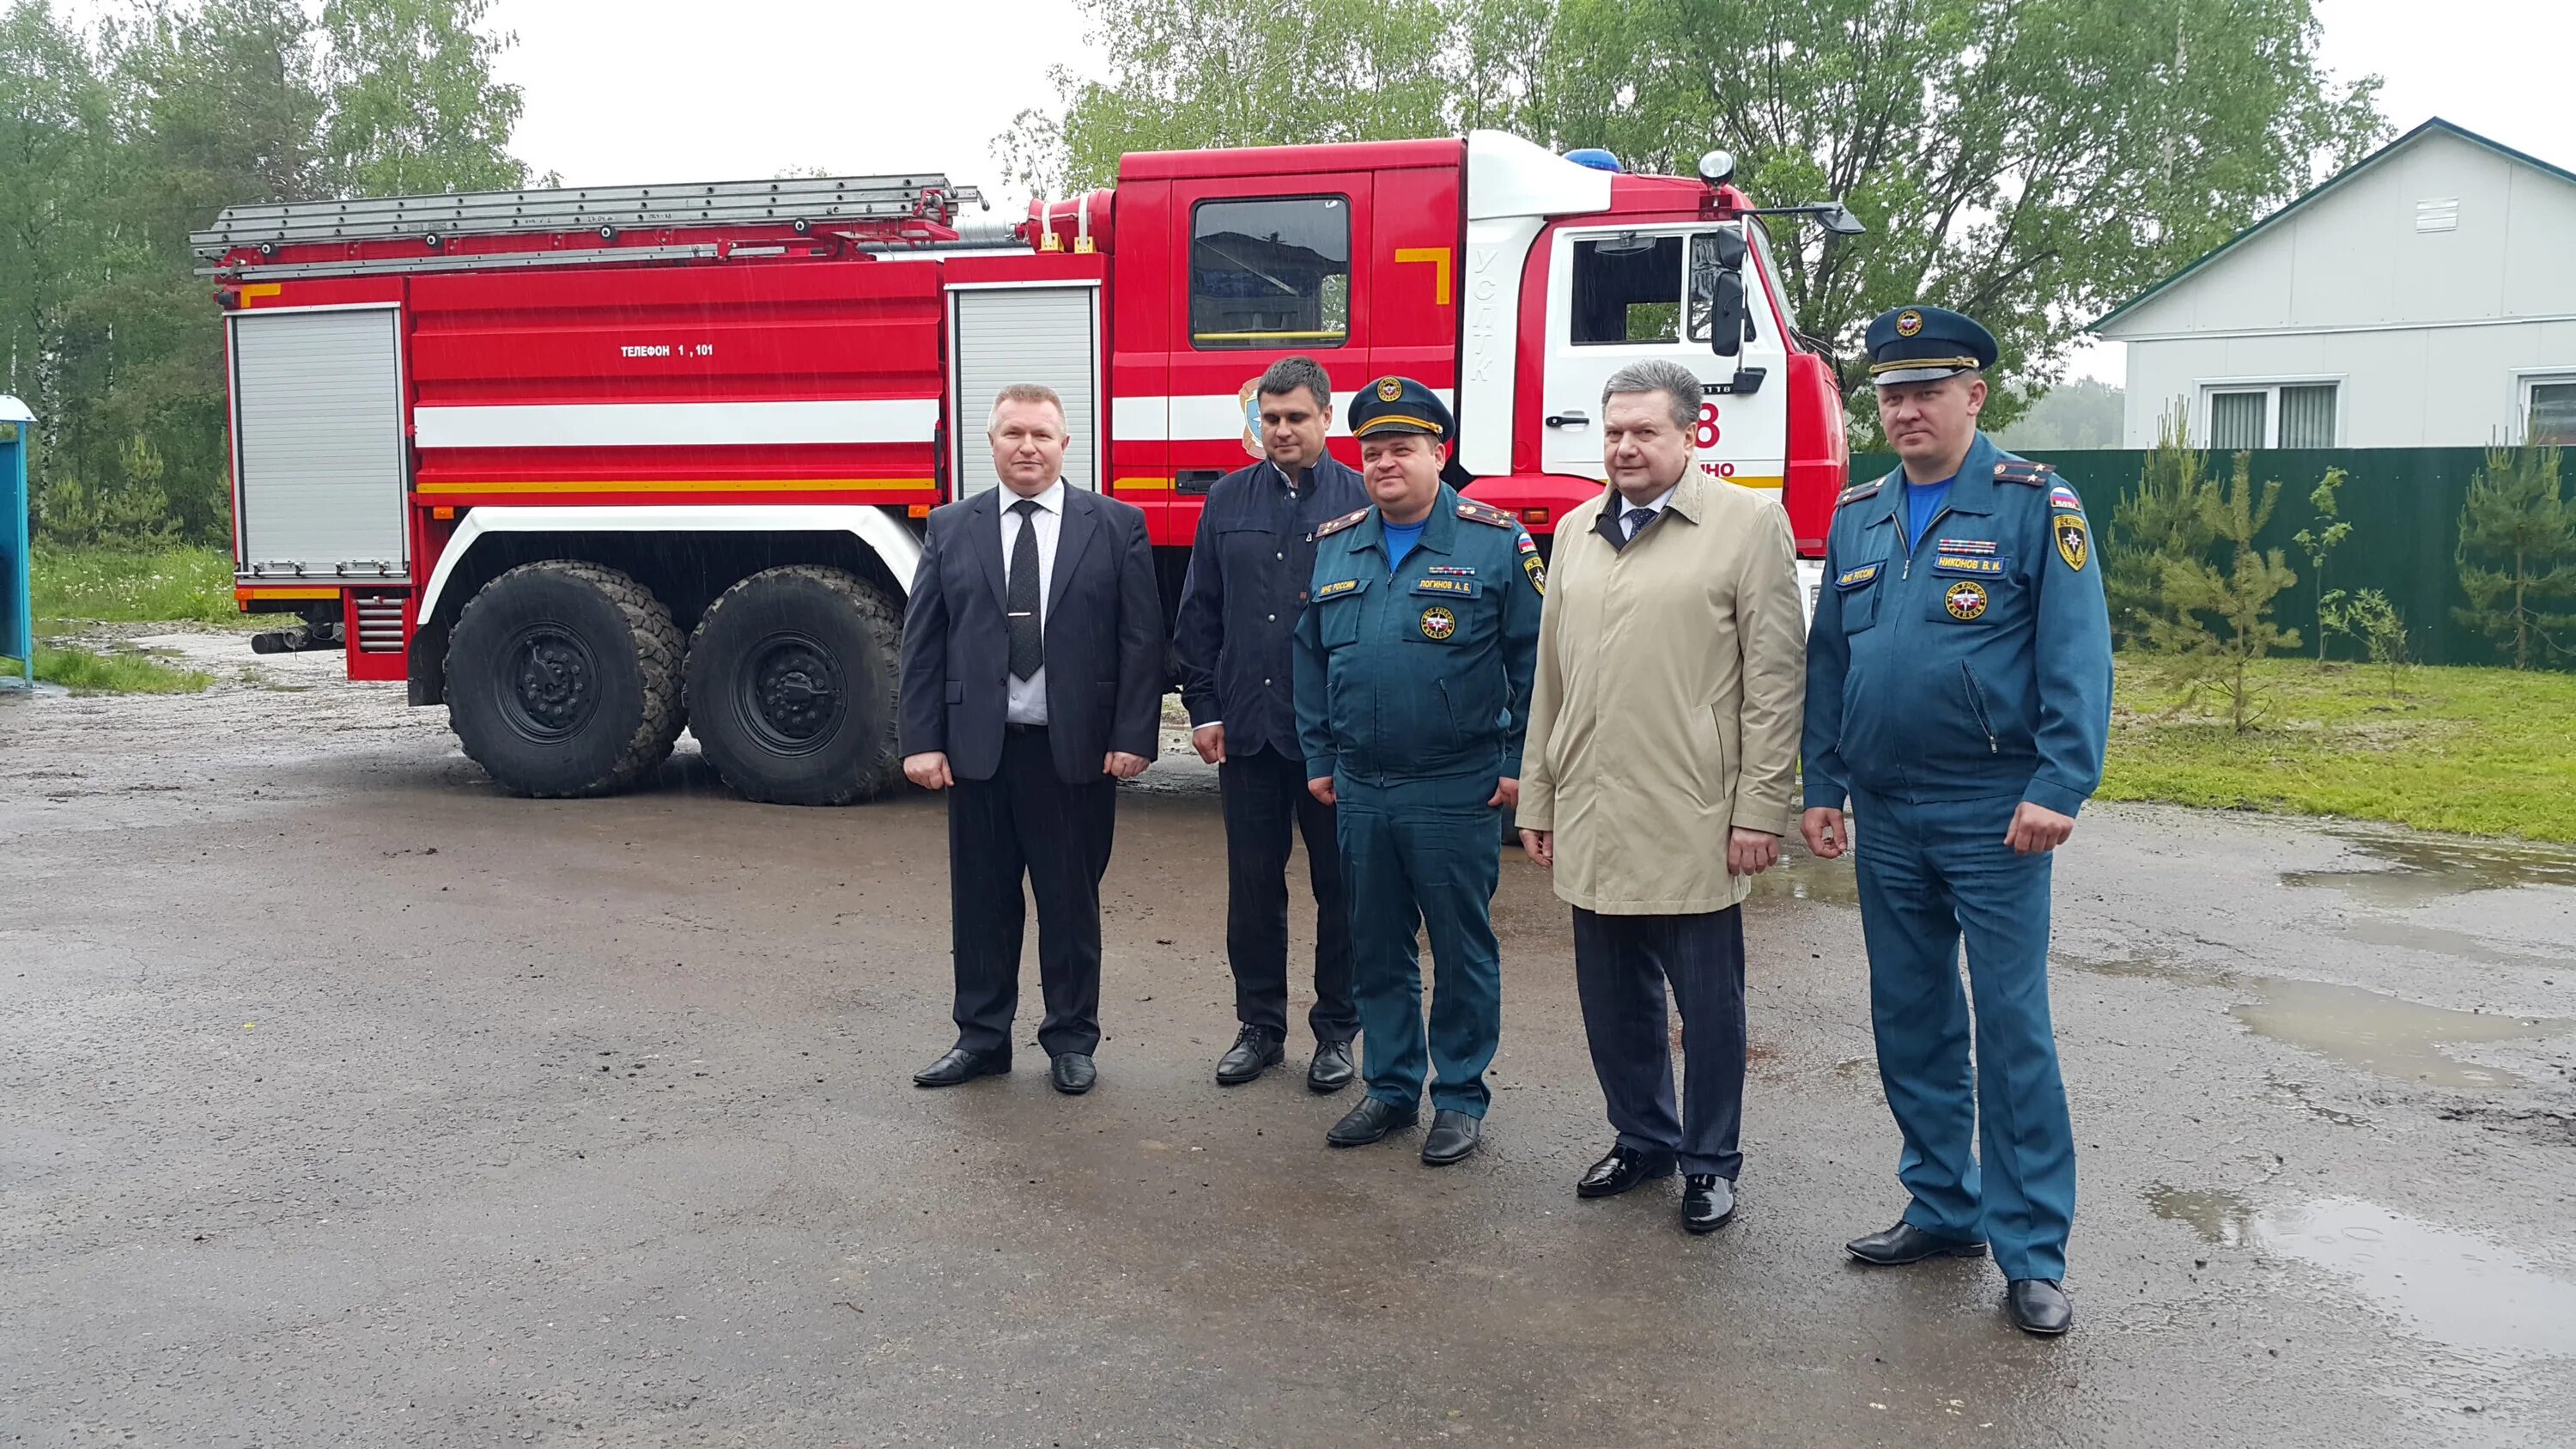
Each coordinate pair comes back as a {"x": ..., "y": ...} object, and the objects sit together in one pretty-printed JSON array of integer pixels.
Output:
[{"x": 346, "y": 1101}]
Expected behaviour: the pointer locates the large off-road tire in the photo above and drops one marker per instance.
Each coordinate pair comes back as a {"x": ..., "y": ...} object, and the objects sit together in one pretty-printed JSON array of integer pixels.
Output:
[
  {"x": 791, "y": 687},
  {"x": 563, "y": 679}
]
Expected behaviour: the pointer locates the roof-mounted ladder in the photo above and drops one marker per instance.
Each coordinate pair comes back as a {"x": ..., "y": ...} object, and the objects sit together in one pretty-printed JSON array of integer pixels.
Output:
[{"x": 608, "y": 210}]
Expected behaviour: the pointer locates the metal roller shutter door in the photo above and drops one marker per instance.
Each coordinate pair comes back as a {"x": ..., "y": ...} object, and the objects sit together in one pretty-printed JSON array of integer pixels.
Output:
[
  {"x": 317, "y": 439},
  {"x": 1046, "y": 335}
]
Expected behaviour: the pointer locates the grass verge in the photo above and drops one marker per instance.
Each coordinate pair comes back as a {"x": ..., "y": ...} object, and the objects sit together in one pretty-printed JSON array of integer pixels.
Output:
[
  {"x": 138, "y": 586},
  {"x": 84, "y": 672},
  {"x": 2479, "y": 751}
]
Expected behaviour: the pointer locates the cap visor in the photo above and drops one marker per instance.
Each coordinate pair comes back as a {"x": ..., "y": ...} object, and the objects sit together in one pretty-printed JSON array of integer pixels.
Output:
[
  {"x": 1917, "y": 374},
  {"x": 1375, "y": 426}
]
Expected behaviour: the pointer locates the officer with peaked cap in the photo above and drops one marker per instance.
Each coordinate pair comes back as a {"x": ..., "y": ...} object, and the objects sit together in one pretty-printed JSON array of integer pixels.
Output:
[
  {"x": 1413, "y": 663},
  {"x": 1959, "y": 693}
]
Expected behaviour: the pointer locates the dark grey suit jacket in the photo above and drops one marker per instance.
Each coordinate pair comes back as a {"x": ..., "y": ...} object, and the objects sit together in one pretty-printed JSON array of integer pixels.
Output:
[{"x": 1104, "y": 639}]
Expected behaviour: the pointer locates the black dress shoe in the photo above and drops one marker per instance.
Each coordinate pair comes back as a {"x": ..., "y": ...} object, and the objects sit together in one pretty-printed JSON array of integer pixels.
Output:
[
  {"x": 961, "y": 1065},
  {"x": 1708, "y": 1202},
  {"x": 1906, "y": 1243},
  {"x": 1331, "y": 1069},
  {"x": 1072, "y": 1073},
  {"x": 2038, "y": 1306},
  {"x": 1368, "y": 1122},
  {"x": 1255, "y": 1051},
  {"x": 1623, "y": 1169},
  {"x": 1452, "y": 1136}
]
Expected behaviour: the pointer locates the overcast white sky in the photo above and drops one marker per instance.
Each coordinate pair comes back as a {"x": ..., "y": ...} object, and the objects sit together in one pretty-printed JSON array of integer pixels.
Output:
[{"x": 659, "y": 90}]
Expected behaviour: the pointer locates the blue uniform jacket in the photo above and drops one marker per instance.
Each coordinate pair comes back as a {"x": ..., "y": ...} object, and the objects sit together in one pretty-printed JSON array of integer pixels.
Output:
[
  {"x": 1422, "y": 672},
  {"x": 1247, "y": 583},
  {"x": 1973, "y": 661}
]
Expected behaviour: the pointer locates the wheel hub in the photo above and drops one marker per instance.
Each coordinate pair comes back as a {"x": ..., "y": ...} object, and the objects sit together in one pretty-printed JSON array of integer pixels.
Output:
[
  {"x": 791, "y": 693},
  {"x": 552, "y": 684}
]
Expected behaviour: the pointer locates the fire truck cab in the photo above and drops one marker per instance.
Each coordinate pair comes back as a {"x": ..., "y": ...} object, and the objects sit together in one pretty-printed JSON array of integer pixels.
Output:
[{"x": 588, "y": 466}]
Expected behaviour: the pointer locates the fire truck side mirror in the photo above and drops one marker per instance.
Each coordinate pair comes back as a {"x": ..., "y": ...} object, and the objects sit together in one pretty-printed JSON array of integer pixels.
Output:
[
  {"x": 1718, "y": 285},
  {"x": 1838, "y": 220}
]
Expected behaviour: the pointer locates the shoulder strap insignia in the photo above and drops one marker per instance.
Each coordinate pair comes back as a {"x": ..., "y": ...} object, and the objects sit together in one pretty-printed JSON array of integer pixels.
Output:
[
  {"x": 1345, "y": 521},
  {"x": 2025, "y": 472},
  {"x": 1475, "y": 512},
  {"x": 1858, "y": 491}
]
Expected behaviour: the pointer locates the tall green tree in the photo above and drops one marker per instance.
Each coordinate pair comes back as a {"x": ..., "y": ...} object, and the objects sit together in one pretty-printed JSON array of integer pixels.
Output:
[
  {"x": 2517, "y": 554},
  {"x": 415, "y": 104},
  {"x": 2030, "y": 162}
]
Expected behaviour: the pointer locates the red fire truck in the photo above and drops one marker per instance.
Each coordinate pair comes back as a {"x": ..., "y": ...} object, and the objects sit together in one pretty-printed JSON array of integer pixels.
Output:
[{"x": 591, "y": 465}]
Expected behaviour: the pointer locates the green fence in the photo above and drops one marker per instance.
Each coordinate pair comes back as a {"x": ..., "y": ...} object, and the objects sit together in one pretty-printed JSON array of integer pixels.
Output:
[{"x": 2403, "y": 505}]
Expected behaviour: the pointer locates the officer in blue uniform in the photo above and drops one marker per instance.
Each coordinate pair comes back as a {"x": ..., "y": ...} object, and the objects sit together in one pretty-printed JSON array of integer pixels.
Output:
[
  {"x": 1959, "y": 692},
  {"x": 1413, "y": 663}
]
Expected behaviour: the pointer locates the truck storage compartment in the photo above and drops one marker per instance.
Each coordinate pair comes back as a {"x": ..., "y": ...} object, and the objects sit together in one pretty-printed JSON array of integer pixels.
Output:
[{"x": 318, "y": 443}]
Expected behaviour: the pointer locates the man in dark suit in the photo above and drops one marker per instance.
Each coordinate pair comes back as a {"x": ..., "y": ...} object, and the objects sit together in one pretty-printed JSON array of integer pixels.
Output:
[
  {"x": 1032, "y": 684},
  {"x": 1246, "y": 587}
]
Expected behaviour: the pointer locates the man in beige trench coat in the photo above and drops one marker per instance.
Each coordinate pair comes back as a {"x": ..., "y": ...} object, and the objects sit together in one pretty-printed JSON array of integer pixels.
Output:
[{"x": 1661, "y": 772}]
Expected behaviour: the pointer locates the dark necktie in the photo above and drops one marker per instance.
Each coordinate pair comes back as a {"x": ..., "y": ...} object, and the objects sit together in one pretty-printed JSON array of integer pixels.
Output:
[
  {"x": 1028, "y": 641},
  {"x": 1637, "y": 519}
]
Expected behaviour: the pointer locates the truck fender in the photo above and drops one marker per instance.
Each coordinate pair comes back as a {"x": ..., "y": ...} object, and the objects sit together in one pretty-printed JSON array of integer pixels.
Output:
[{"x": 893, "y": 543}]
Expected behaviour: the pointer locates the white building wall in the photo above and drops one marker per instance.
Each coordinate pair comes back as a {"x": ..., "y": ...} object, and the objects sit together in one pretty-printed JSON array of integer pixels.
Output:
[{"x": 2429, "y": 334}]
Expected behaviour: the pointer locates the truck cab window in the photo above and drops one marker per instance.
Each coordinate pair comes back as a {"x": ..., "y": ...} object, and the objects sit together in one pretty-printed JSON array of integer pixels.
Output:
[
  {"x": 1627, "y": 289},
  {"x": 1272, "y": 273}
]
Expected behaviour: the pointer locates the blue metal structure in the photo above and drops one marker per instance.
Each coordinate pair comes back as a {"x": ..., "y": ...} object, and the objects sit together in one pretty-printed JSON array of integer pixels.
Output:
[{"x": 17, "y": 585}]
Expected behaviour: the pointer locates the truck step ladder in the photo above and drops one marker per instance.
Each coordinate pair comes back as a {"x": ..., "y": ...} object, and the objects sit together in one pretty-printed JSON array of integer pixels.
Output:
[{"x": 605, "y": 210}]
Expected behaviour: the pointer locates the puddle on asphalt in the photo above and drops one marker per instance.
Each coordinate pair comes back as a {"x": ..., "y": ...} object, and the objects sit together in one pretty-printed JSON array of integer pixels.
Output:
[
  {"x": 2452, "y": 1287},
  {"x": 1801, "y": 877},
  {"x": 2416, "y": 870},
  {"x": 2386, "y": 1034}
]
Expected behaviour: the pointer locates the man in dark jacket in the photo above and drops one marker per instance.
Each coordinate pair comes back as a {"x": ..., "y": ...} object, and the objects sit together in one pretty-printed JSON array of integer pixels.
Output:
[
  {"x": 1247, "y": 583},
  {"x": 1032, "y": 684}
]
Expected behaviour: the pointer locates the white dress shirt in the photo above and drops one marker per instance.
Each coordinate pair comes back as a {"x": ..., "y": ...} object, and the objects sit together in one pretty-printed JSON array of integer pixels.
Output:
[
  {"x": 1028, "y": 703},
  {"x": 1651, "y": 505}
]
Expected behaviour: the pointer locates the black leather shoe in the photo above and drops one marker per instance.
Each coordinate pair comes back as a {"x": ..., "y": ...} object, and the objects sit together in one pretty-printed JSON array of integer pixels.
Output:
[
  {"x": 1906, "y": 1243},
  {"x": 1072, "y": 1073},
  {"x": 1255, "y": 1051},
  {"x": 2038, "y": 1306},
  {"x": 1331, "y": 1069},
  {"x": 1708, "y": 1202},
  {"x": 961, "y": 1065},
  {"x": 1623, "y": 1169},
  {"x": 1368, "y": 1122},
  {"x": 1452, "y": 1136}
]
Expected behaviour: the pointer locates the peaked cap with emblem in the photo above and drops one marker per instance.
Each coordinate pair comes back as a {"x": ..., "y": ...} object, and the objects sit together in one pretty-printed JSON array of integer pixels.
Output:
[
  {"x": 1393, "y": 405},
  {"x": 1925, "y": 344}
]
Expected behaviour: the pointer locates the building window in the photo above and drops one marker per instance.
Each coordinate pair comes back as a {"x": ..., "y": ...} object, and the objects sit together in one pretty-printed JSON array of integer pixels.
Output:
[
  {"x": 2307, "y": 417},
  {"x": 2549, "y": 411},
  {"x": 2273, "y": 415},
  {"x": 1628, "y": 289},
  {"x": 1271, "y": 273},
  {"x": 2238, "y": 420}
]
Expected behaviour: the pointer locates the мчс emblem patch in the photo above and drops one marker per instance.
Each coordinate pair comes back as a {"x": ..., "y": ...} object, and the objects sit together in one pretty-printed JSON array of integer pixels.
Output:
[
  {"x": 1389, "y": 389},
  {"x": 1438, "y": 624},
  {"x": 1537, "y": 572},
  {"x": 1908, "y": 322},
  {"x": 2072, "y": 545},
  {"x": 1965, "y": 599}
]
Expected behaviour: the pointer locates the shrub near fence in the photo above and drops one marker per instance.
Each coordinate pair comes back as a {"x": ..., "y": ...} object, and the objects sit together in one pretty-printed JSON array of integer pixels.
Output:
[{"x": 2403, "y": 505}]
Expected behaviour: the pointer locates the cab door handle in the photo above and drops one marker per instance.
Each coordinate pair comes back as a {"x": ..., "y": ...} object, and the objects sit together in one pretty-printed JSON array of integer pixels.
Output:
[{"x": 1569, "y": 420}]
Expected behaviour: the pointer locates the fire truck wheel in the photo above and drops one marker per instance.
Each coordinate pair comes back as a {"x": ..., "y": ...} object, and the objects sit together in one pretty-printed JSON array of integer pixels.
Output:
[
  {"x": 563, "y": 679},
  {"x": 791, "y": 687}
]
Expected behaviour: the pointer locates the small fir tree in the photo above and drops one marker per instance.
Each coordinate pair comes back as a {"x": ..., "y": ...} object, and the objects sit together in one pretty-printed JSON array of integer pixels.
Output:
[
  {"x": 2517, "y": 554},
  {"x": 2160, "y": 522},
  {"x": 2319, "y": 540},
  {"x": 2218, "y": 621}
]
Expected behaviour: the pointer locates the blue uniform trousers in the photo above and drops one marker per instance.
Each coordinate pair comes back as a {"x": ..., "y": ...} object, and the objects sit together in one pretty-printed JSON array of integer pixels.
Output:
[
  {"x": 1412, "y": 859},
  {"x": 1929, "y": 873}
]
